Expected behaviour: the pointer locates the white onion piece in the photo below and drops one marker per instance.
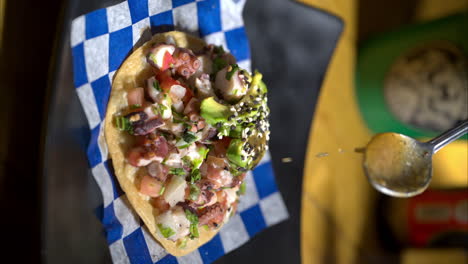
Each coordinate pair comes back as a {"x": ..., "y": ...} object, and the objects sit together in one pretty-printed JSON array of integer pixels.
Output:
[
  {"x": 177, "y": 92},
  {"x": 152, "y": 92}
]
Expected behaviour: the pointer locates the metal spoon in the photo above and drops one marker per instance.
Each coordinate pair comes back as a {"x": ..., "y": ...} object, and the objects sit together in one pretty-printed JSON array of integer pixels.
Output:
[{"x": 400, "y": 166}]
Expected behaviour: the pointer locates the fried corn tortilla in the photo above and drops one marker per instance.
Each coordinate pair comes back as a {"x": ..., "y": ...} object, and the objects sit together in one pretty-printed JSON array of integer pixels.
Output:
[{"x": 134, "y": 72}]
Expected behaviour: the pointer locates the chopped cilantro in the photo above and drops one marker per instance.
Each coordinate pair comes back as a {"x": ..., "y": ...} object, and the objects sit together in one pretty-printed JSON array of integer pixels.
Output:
[
  {"x": 135, "y": 106},
  {"x": 123, "y": 124},
  {"x": 163, "y": 107},
  {"x": 166, "y": 231},
  {"x": 186, "y": 160},
  {"x": 218, "y": 64},
  {"x": 195, "y": 175},
  {"x": 182, "y": 243},
  {"x": 161, "y": 192},
  {"x": 152, "y": 57},
  {"x": 230, "y": 73},
  {"x": 155, "y": 110},
  {"x": 156, "y": 86},
  {"x": 242, "y": 188},
  {"x": 202, "y": 151},
  {"x": 194, "y": 192},
  {"x": 189, "y": 137},
  {"x": 194, "y": 231},
  {"x": 177, "y": 171},
  {"x": 193, "y": 219}
]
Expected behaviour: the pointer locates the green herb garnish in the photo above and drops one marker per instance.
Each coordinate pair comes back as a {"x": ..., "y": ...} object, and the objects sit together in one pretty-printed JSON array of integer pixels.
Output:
[
  {"x": 156, "y": 86},
  {"x": 177, "y": 171},
  {"x": 194, "y": 231},
  {"x": 152, "y": 57},
  {"x": 161, "y": 192},
  {"x": 182, "y": 243},
  {"x": 193, "y": 219},
  {"x": 155, "y": 110},
  {"x": 195, "y": 175},
  {"x": 242, "y": 188},
  {"x": 218, "y": 64},
  {"x": 194, "y": 192},
  {"x": 135, "y": 106},
  {"x": 202, "y": 151},
  {"x": 166, "y": 231},
  {"x": 189, "y": 137},
  {"x": 230, "y": 73},
  {"x": 187, "y": 162},
  {"x": 123, "y": 124},
  {"x": 163, "y": 107}
]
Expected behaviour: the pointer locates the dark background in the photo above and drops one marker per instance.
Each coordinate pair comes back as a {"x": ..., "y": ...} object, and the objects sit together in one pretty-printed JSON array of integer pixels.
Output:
[{"x": 45, "y": 212}]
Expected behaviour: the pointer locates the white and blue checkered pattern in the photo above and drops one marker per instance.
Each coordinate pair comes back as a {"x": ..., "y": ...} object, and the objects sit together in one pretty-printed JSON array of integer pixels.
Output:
[{"x": 101, "y": 40}]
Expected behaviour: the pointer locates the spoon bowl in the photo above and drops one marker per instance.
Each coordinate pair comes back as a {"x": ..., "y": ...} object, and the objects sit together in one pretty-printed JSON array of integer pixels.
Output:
[{"x": 398, "y": 165}]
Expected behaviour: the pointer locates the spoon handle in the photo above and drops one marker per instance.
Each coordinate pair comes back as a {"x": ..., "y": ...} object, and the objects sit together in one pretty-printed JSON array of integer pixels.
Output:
[{"x": 449, "y": 136}]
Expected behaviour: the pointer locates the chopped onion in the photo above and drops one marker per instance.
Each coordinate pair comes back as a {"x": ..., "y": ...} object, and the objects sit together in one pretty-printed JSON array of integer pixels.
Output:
[{"x": 177, "y": 92}]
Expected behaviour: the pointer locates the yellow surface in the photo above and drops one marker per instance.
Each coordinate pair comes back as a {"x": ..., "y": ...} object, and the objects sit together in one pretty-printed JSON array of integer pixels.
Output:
[
  {"x": 336, "y": 196},
  {"x": 338, "y": 202},
  {"x": 434, "y": 256},
  {"x": 433, "y": 9}
]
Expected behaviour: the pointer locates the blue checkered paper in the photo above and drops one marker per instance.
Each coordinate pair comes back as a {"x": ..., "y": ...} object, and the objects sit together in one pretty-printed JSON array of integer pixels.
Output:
[{"x": 100, "y": 42}]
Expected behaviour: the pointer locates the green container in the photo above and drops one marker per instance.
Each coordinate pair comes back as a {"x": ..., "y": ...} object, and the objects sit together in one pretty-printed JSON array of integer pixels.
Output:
[{"x": 376, "y": 62}]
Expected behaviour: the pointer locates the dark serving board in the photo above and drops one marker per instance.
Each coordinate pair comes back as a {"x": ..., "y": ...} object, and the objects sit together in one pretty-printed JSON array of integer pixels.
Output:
[{"x": 290, "y": 43}]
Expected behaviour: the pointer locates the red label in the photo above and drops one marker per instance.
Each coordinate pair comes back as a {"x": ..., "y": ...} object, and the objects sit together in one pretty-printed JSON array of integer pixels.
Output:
[{"x": 435, "y": 213}]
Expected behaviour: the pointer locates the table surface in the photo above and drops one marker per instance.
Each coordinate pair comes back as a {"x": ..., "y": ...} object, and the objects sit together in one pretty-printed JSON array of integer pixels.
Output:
[{"x": 291, "y": 45}]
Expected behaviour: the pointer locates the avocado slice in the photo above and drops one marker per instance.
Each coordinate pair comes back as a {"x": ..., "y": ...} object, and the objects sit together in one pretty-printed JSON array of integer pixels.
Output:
[
  {"x": 234, "y": 153},
  {"x": 214, "y": 112}
]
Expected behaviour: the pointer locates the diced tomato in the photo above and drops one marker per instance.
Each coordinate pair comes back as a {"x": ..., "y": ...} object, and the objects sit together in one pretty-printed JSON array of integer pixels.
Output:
[
  {"x": 134, "y": 156},
  {"x": 160, "y": 204},
  {"x": 150, "y": 186},
  {"x": 192, "y": 106},
  {"x": 167, "y": 61},
  {"x": 214, "y": 177},
  {"x": 221, "y": 196},
  {"x": 216, "y": 162},
  {"x": 136, "y": 96},
  {"x": 188, "y": 96},
  {"x": 165, "y": 80},
  {"x": 204, "y": 169}
]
